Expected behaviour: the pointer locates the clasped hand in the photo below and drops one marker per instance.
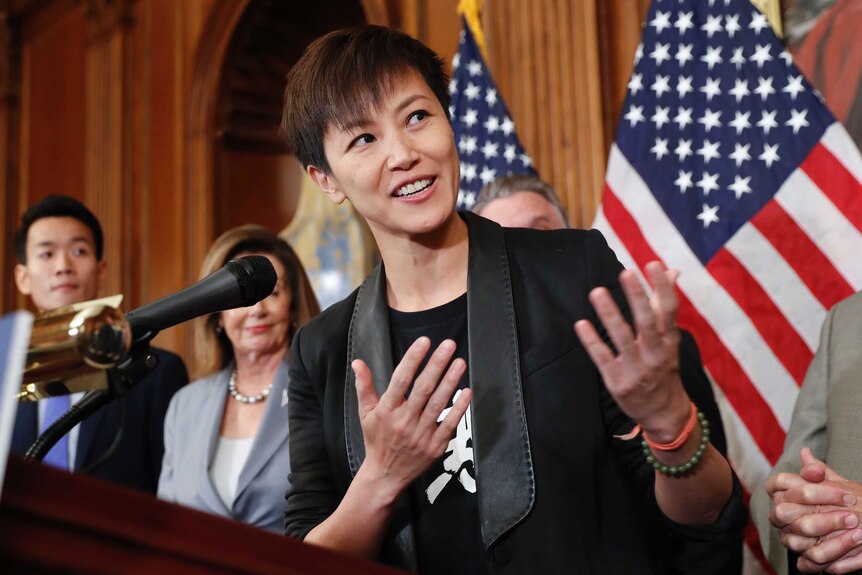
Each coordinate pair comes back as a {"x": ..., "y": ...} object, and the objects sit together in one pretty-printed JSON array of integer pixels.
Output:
[
  {"x": 643, "y": 377},
  {"x": 818, "y": 514},
  {"x": 402, "y": 437}
]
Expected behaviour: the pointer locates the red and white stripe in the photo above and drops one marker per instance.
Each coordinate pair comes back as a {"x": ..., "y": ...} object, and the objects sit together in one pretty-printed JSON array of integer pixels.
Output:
[{"x": 756, "y": 308}]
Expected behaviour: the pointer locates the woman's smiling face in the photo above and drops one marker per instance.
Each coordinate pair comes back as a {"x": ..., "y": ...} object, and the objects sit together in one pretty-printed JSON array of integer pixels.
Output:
[
  {"x": 263, "y": 327},
  {"x": 398, "y": 165}
]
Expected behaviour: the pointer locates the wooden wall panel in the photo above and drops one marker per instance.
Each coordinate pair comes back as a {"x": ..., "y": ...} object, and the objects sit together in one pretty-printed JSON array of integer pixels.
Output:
[
  {"x": 10, "y": 137},
  {"x": 104, "y": 94},
  {"x": 53, "y": 94},
  {"x": 172, "y": 226},
  {"x": 439, "y": 27},
  {"x": 106, "y": 69},
  {"x": 53, "y": 109},
  {"x": 256, "y": 188},
  {"x": 620, "y": 23},
  {"x": 213, "y": 23},
  {"x": 163, "y": 210},
  {"x": 117, "y": 108},
  {"x": 544, "y": 55}
]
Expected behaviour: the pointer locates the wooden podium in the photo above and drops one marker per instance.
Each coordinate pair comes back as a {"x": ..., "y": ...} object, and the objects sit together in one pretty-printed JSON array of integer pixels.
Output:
[{"x": 52, "y": 521}]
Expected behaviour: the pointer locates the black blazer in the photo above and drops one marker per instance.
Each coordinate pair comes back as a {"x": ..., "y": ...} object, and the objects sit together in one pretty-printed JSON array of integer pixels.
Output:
[
  {"x": 137, "y": 460},
  {"x": 557, "y": 493}
]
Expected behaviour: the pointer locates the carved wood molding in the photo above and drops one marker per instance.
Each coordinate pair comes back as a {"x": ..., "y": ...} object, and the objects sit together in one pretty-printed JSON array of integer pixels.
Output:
[
  {"x": 224, "y": 18},
  {"x": 199, "y": 115},
  {"x": 39, "y": 16},
  {"x": 10, "y": 131},
  {"x": 200, "y": 125},
  {"x": 106, "y": 17}
]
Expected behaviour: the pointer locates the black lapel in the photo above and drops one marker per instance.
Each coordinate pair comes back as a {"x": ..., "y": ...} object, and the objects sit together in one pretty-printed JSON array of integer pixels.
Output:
[
  {"x": 501, "y": 445},
  {"x": 506, "y": 487},
  {"x": 368, "y": 339}
]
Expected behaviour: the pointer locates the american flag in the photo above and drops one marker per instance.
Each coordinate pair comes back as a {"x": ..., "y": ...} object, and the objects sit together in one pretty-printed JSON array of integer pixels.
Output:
[
  {"x": 728, "y": 167},
  {"x": 485, "y": 133}
]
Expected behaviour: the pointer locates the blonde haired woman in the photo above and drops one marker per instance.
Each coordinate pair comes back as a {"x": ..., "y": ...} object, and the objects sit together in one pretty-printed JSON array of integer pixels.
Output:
[{"x": 226, "y": 435}]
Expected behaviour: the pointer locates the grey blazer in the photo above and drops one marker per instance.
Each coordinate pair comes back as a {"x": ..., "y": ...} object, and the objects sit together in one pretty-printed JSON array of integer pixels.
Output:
[
  {"x": 191, "y": 431},
  {"x": 827, "y": 417}
]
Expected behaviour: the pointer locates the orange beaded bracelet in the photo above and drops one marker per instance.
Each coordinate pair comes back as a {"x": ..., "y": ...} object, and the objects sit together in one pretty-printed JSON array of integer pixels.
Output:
[
  {"x": 681, "y": 438},
  {"x": 677, "y": 470},
  {"x": 674, "y": 470}
]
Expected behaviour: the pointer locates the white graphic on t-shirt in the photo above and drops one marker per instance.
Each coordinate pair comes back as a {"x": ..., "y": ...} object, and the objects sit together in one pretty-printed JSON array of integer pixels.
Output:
[{"x": 460, "y": 454}]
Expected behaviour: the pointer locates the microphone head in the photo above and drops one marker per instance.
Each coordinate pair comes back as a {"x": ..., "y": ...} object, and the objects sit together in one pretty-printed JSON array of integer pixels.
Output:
[{"x": 256, "y": 277}]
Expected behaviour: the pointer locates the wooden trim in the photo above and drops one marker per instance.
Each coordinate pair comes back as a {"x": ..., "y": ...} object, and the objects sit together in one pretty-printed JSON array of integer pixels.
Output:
[
  {"x": 105, "y": 140},
  {"x": 544, "y": 56},
  {"x": 411, "y": 19},
  {"x": 199, "y": 113},
  {"x": 620, "y": 31},
  {"x": 381, "y": 12},
  {"x": 23, "y": 165},
  {"x": 38, "y": 20},
  {"x": 200, "y": 127},
  {"x": 130, "y": 246},
  {"x": 590, "y": 129},
  {"x": 138, "y": 74},
  {"x": 10, "y": 152}
]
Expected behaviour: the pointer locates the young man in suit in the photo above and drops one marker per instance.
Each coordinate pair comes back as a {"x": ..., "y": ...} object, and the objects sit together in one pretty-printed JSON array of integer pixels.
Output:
[{"x": 59, "y": 249}]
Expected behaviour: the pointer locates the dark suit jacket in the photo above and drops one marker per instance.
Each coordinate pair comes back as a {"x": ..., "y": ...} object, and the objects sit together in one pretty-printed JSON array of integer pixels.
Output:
[
  {"x": 557, "y": 493},
  {"x": 137, "y": 460}
]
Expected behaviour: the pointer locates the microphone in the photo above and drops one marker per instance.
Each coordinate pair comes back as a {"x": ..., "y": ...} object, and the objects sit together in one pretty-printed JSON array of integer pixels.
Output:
[{"x": 240, "y": 283}]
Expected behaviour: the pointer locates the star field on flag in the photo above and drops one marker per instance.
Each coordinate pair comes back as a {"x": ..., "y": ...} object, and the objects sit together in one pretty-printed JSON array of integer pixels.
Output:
[{"x": 484, "y": 131}]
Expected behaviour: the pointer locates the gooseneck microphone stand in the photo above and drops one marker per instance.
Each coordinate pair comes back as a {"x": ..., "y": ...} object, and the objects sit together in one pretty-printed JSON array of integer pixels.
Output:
[
  {"x": 241, "y": 282},
  {"x": 120, "y": 380}
]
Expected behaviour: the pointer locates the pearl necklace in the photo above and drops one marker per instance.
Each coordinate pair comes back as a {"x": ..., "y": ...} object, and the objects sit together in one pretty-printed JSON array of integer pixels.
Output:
[{"x": 250, "y": 399}]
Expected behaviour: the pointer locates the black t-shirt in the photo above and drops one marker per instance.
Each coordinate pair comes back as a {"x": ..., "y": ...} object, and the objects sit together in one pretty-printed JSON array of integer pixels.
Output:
[{"x": 444, "y": 500}]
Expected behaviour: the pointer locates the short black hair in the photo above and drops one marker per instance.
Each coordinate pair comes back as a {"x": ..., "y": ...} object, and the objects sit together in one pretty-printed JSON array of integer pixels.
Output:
[
  {"x": 57, "y": 206},
  {"x": 345, "y": 74}
]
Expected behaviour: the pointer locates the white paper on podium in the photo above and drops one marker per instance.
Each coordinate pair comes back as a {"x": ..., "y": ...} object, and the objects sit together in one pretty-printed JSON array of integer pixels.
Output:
[{"x": 14, "y": 341}]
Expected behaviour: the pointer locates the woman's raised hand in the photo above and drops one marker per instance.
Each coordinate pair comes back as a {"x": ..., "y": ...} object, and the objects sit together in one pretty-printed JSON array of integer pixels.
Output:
[
  {"x": 643, "y": 376},
  {"x": 402, "y": 437}
]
